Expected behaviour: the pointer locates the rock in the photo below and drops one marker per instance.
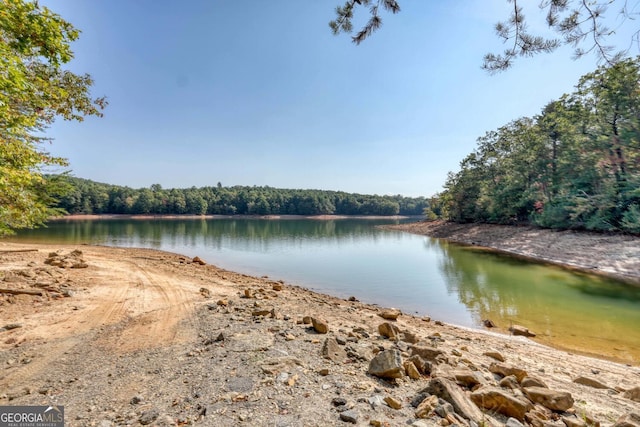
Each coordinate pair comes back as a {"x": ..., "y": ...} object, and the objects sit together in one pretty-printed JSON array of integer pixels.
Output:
[
  {"x": 222, "y": 302},
  {"x": 394, "y": 403},
  {"x": 198, "y": 260},
  {"x": 320, "y": 325},
  {"x": 353, "y": 299},
  {"x": 427, "y": 353},
  {"x": 136, "y": 399},
  {"x": 501, "y": 402},
  {"x": 521, "y": 330},
  {"x": 439, "y": 323},
  {"x": 574, "y": 421},
  {"x": 425, "y": 407},
  {"x": 376, "y": 401},
  {"x": 532, "y": 382},
  {"x": 338, "y": 401},
  {"x": 466, "y": 378},
  {"x": 263, "y": 312},
  {"x": 423, "y": 366},
  {"x": 388, "y": 330},
  {"x": 509, "y": 382},
  {"x": 333, "y": 351},
  {"x": 411, "y": 370},
  {"x": 410, "y": 337},
  {"x": 390, "y": 314},
  {"x": 488, "y": 323},
  {"x": 628, "y": 420},
  {"x": 554, "y": 400},
  {"x": 148, "y": 416},
  {"x": 512, "y": 422},
  {"x": 350, "y": 416},
  {"x": 494, "y": 355},
  {"x": 386, "y": 364},
  {"x": 505, "y": 371},
  {"x": 449, "y": 391},
  {"x": 276, "y": 286},
  {"x": 248, "y": 293},
  {"x": 590, "y": 382},
  {"x": 420, "y": 423},
  {"x": 632, "y": 394},
  {"x": 307, "y": 320}
]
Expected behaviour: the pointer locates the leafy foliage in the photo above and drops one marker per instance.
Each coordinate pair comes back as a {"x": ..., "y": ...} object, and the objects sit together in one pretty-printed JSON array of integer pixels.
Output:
[
  {"x": 578, "y": 23},
  {"x": 34, "y": 90},
  {"x": 575, "y": 165},
  {"x": 90, "y": 197}
]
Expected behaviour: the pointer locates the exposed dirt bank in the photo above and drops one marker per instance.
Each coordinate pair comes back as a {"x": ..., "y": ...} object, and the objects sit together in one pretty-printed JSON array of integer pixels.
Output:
[
  {"x": 129, "y": 337},
  {"x": 614, "y": 255}
]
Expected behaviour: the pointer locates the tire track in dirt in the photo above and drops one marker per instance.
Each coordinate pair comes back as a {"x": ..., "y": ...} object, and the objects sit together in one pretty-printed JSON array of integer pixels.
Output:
[{"x": 146, "y": 311}]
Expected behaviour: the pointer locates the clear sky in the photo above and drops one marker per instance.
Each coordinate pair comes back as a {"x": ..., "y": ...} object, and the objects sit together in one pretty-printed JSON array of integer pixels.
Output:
[{"x": 256, "y": 92}]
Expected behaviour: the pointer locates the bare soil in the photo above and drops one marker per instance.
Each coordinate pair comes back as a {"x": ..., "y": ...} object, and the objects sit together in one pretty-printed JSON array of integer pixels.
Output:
[{"x": 129, "y": 337}]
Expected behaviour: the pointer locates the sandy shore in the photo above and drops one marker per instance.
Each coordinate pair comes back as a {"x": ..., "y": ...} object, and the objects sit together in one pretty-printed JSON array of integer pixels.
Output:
[{"x": 141, "y": 337}]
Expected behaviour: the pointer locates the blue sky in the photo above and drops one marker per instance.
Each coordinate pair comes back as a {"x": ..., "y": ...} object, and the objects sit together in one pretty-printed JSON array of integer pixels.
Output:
[{"x": 257, "y": 92}]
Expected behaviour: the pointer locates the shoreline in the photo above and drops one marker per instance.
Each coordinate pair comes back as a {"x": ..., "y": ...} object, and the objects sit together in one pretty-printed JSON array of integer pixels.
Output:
[
  {"x": 83, "y": 217},
  {"x": 177, "y": 335},
  {"x": 616, "y": 256}
]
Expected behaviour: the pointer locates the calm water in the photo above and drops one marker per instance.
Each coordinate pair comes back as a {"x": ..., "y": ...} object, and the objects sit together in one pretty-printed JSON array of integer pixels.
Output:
[{"x": 415, "y": 273}]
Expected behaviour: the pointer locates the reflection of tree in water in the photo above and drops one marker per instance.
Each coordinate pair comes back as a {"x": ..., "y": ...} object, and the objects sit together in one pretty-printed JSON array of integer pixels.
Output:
[{"x": 489, "y": 285}]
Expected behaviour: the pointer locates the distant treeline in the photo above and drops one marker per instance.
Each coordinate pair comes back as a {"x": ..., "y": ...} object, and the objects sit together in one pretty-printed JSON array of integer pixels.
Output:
[
  {"x": 89, "y": 197},
  {"x": 575, "y": 165}
]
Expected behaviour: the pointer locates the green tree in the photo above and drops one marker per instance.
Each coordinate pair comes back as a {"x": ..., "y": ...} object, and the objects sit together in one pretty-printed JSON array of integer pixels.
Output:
[
  {"x": 578, "y": 23},
  {"x": 34, "y": 91}
]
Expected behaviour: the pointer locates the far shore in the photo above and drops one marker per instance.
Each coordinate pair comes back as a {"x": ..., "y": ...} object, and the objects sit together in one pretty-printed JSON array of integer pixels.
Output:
[{"x": 83, "y": 217}]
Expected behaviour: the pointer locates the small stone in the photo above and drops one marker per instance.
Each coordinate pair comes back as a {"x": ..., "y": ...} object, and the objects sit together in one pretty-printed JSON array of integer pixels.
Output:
[
  {"x": 320, "y": 325},
  {"x": 394, "y": 403},
  {"x": 590, "y": 382},
  {"x": 439, "y": 323},
  {"x": 349, "y": 416},
  {"x": 198, "y": 260},
  {"x": 632, "y": 394},
  {"x": 505, "y": 371},
  {"x": 149, "y": 416},
  {"x": 532, "y": 382},
  {"x": 223, "y": 302},
  {"x": 261, "y": 312},
  {"x": 629, "y": 420},
  {"x": 386, "y": 364},
  {"x": 456, "y": 352},
  {"x": 324, "y": 372},
  {"x": 488, "y": 323},
  {"x": 338, "y": 401},
  {"x": 307, "y": 320},
  {"x": 494, "y": 355},
  {"x": 248, "y": 293},
  {"x": 411, "y": 370},
  {"x": 425, "y": 407},
  {"x": 510, "y": 381},
  {"x": 502, "y": 402},
  {"x": 512, "y": 422},
  {"x": 276, "y": 287},
  {"x": 390, "y": 314},
  {"x": 573, "y": 421},
  {"x": 388, "y": 330},
  {"x": 554, "y": 400},
  {"x": 353, "y": 299},
  {"x": 136, "y": 399},
  {"x": 333, "y": 351},
  {"x": 521, "y": 330}
]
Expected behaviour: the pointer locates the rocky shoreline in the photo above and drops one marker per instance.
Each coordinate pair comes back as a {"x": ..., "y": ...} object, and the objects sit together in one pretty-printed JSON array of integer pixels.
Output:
[
  {"x": 130, "y": 337},
  {"x": 613, "y": 255}
]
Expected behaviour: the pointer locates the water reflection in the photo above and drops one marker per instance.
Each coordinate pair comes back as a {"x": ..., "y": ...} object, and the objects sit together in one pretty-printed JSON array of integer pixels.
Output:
[
  {"x": 417, "y": 274},
  {"x": 576, "y": 311}
]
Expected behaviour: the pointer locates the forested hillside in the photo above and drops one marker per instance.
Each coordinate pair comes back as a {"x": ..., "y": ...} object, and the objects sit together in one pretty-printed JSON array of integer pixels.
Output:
[
  {"x": 89, "y": 197},
  {"x": 575, "y": 165}
]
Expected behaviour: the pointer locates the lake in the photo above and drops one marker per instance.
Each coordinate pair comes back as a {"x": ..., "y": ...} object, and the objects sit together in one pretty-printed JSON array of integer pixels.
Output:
[{"x": 420, "y": 275}]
